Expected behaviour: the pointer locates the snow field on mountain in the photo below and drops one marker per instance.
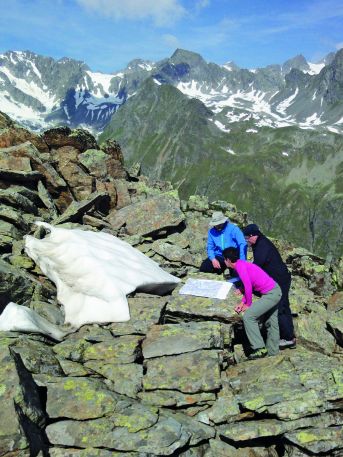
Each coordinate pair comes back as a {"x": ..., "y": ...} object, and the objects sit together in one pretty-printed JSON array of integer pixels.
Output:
[{"x": 31, "y": 88}]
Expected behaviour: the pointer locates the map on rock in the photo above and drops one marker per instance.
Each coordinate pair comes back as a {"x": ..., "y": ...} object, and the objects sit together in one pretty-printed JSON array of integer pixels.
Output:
[{"x": 206, "y": 288}]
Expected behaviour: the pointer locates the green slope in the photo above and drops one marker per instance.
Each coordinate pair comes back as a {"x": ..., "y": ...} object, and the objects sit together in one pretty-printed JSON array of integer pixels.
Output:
[{"x": 297, "y": 196}]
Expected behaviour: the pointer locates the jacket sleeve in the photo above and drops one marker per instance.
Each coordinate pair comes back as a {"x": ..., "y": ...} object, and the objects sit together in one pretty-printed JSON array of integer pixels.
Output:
[
  {"x": 241, "y": 243},
  {"x": 210, "y": 246},
  {"x": 245, "y": 278}
]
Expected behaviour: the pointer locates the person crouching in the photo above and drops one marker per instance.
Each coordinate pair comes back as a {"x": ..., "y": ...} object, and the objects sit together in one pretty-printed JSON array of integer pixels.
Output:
[{"x": 254, "y": 279}]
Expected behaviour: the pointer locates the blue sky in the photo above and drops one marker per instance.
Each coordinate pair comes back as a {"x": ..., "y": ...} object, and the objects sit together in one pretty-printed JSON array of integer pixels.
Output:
[{"x": 107, "y": 34}]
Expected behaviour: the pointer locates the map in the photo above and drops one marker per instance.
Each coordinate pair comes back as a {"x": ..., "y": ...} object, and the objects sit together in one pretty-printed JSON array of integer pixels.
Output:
[{"x": 206, "y": 288}]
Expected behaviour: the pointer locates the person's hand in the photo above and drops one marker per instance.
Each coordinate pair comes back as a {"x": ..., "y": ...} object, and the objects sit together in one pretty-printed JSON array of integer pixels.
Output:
[
  {"x": 240, "y": 308},
  {"x": 215, "y": 263}
]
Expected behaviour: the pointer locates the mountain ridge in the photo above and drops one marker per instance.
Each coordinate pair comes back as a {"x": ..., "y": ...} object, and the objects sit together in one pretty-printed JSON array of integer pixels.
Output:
[{"x": 35, "y": 90}]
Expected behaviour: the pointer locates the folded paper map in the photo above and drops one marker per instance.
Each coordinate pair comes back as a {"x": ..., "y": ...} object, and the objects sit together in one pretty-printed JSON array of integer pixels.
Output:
[{"x": 206, "y": 288}]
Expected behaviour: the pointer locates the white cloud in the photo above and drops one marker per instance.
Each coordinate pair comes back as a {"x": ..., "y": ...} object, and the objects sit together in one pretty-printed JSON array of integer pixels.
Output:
[
  {"x": 171, "y": 41},
  {"x": 202, "y": 4},
  {"x": 339, "y": 45},
  {"x": 162, "y": 12}
]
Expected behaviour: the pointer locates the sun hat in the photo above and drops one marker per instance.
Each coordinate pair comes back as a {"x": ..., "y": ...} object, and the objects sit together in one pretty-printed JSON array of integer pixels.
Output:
[{"x": 217, "y": 219}]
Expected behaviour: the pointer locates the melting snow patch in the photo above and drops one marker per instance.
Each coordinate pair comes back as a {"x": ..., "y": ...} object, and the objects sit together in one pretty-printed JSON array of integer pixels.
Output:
[
  {"x": 35, "y": 69},
  {"x": 251, "y": 131},
  {"x": 334, "y": 130},
  {"x": 31, "y": 89},
  {"x": 310, "y": 122},
  {"x": 285, "y": 154},
  {"x": 221, "y": 126},
  {"x": 145, "y": 66},
  {"x": 156, "y": 81},
  {"x": 101, "y": 79},
  {"x": 230, "y": 151},
  {"x": 281, "y": 107},
  {"x": 89, "y": 298},
  {"x": 236, "y": 117},
  {"x": 19, "y": 111},
  {"x": 315, "y": 68}
]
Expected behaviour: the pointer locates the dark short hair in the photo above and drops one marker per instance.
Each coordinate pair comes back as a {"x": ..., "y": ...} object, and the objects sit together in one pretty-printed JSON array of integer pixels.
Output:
[{"x": 231, "y": 254}]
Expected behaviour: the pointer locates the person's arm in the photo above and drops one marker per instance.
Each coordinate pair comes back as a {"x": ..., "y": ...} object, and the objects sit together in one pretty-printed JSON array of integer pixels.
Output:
[
  {"x": 210, "y": 247},
  {"x": 241, "y": 243},
  {"x": 245, "y": 278}
]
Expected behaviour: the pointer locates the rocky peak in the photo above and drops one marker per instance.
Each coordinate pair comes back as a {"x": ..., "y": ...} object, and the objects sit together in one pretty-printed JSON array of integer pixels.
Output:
[
  {"x": 140, "y": 65},
  {"x": 298, "y": 62},
  {"x": 183, "y": 56},
  {"x": 328, "y": 58}
]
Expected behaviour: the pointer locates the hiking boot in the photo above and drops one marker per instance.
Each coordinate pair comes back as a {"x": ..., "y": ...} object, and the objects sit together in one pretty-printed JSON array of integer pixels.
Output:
[
  {"x": 258, "y": 354},
  {"x": 288, "y": 344}
]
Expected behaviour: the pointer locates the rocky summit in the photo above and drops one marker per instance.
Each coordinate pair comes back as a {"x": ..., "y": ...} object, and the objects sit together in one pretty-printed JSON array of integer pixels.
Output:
[{"x": 175, "y": 379}]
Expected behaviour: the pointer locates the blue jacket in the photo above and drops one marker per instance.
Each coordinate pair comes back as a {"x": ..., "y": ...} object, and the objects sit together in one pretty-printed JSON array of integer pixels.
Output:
[{"x": 229, "y": 236}]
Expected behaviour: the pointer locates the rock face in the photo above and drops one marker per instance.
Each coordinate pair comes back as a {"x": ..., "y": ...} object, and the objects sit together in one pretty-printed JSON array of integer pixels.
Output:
[{"x": 174, "y": 380}]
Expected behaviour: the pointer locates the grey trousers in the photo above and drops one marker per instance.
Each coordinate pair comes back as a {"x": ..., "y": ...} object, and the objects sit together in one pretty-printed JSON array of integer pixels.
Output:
[{"x": 266, "y": 310}]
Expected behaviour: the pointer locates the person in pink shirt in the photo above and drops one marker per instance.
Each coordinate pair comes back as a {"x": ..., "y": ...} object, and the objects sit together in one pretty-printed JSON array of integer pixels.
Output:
[{"x": 257, "y": 281}]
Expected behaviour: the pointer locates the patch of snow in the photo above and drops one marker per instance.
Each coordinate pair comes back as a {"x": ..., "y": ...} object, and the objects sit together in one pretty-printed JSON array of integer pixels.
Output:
[
  {"x": 18, "y": 111},
  {"x": 340, "y": 121},
  {"x": 94, "y": 103},
  {"x": 89, "y": 298},
  {"x": 253, "y": 70},
  {"x": 334, "y": 130},
  {"x": 312, "y": 120},
  {"x": 101, "y": 79},
  {"x": 225, "y": 89},
  {"x": 12, "y": 59},
  {"x": 31, "y": 88},
  {"x": 236, "y": 117},
  {"x": 23, "y": 319},
  {"x": 157, "y": 82},
  {"x": 230, "y": 151},
  {"x": 228, "y": 67},
  {"x": 315, "y": 68},
  {"x": 35, "y": 69},
  {"x": 145, "y": 66},
  {"x": 221, "y": 126},
  {"x": 193, "y": 89},
  {"x": 251, "y": 131},
  {"x": 281, "y": 107},
  {"x": 285, "y": 154}
]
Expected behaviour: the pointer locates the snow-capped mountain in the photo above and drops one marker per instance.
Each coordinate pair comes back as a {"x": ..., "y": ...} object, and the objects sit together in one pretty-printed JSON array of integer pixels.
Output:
[{"x": 39, "y": 91}]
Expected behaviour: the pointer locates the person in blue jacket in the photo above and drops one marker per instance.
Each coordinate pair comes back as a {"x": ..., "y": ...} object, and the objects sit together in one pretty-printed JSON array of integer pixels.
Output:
[{"x": 221, "y": 235}]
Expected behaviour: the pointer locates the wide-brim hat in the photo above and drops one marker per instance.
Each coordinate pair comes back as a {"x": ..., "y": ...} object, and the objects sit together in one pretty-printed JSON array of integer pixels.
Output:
[{"x": 217, "y": 218}]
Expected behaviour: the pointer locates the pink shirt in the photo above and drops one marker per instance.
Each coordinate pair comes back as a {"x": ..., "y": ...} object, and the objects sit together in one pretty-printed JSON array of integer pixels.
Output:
[{"x": 253, "y": 279}]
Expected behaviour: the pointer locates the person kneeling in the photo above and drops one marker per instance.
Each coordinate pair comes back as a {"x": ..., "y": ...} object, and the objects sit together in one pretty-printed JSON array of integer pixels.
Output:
[{"x": 254, "y": 279}]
